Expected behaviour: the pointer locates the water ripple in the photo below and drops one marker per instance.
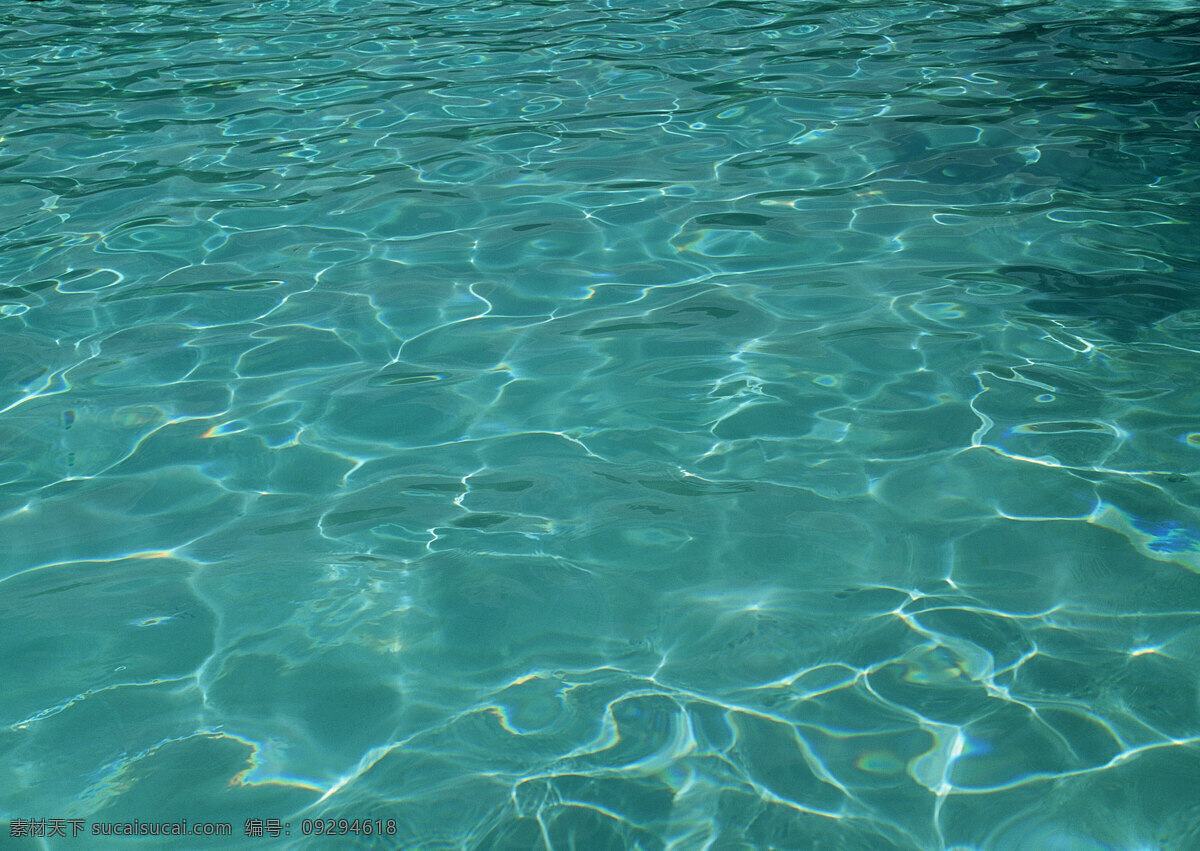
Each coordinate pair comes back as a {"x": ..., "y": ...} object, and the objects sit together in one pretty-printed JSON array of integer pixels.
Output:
[{"x": 593, "y": 425}]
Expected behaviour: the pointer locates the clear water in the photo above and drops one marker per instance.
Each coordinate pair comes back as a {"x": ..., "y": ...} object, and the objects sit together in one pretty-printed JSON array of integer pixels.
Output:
[{"x": 595, "y": 425}]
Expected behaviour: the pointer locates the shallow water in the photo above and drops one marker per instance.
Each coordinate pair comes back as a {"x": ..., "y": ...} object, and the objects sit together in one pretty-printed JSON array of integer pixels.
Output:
[{"x": 602, "y": 425}]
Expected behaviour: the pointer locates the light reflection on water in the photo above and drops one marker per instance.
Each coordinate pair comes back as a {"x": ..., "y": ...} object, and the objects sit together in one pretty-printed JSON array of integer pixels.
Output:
[{"x": 588, "y": 425}]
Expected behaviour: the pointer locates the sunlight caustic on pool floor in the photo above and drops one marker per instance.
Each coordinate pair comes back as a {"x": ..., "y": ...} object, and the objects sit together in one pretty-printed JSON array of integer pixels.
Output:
[{"x": 680, "y": 424}]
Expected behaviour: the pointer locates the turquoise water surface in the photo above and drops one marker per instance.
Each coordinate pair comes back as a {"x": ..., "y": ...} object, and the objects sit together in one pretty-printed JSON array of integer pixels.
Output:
[{"x": 667, "y": 424}]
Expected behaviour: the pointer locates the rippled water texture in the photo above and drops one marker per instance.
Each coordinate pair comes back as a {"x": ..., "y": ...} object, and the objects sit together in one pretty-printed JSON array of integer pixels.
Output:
[{"x": 578, "y": 424}]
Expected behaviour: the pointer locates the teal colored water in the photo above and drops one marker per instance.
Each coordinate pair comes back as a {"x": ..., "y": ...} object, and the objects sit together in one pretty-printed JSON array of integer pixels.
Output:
[{"x": 690, "y": 424}]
